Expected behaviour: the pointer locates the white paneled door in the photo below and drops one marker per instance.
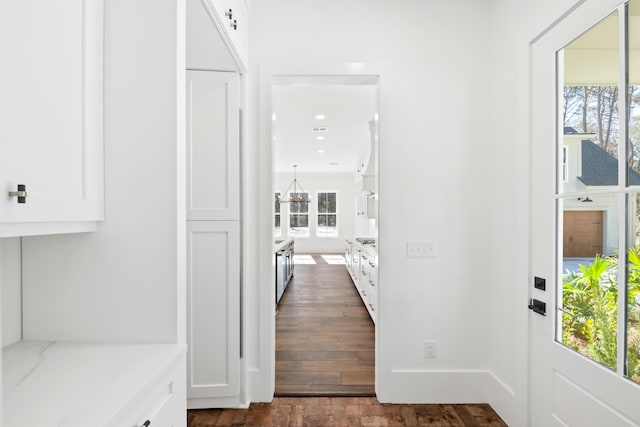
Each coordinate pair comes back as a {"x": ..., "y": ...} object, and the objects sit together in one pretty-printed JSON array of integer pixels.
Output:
[
  {"x": 213, "y": 239},
  {"x": 213, "y": 296},
  {"x": 581, "y": 355},
  {"x": 212, "y": 145}
]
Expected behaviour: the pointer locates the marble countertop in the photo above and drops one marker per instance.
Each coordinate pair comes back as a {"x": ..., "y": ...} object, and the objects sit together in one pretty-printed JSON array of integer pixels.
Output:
[{"x": 76, "y": 384}]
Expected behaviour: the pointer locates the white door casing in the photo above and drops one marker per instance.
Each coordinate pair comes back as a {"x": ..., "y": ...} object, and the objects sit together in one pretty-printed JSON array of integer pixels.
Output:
[{"x": 567, "y": 389}]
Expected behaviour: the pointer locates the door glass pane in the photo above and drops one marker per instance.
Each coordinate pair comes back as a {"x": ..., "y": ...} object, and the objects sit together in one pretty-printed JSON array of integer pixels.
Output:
[
  {"x": 589, "y": 147},
  {"x": 633, "y": 110},
  {"x": 633, "y": 204},
  {"x": 588, "y": 299},
  {"x": 633, "y": 288}
]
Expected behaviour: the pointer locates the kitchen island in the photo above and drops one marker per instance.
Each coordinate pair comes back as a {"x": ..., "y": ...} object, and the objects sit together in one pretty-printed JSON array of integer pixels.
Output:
[{"x": 284, "y": 252}]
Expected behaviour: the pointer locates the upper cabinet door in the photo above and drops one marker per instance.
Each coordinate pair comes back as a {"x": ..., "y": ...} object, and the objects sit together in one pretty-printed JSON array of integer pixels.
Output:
[
  {"x": 231, "y": 19},
  {"x": 51, "y": 137},
  {"x": 213, "y": 146}
]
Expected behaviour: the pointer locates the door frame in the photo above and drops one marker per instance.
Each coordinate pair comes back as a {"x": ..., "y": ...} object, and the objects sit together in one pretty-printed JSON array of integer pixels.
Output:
[
  {"x": 544, "y": 129},
  {"x": 262, "y": 379}
]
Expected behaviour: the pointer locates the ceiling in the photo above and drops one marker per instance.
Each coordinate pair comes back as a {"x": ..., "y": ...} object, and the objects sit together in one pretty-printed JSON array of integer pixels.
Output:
[{"x": 347, "y": 110}]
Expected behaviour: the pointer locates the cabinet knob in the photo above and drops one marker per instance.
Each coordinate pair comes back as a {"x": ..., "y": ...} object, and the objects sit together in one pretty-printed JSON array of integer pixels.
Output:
[
  {"x": 234, "y": 24},
  {"x": 21, "y": 194},
  {"x": 229, "y": 14}
]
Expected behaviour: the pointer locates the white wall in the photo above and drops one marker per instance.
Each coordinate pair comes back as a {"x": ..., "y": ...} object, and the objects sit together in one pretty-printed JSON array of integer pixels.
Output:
[
  {"x": 120, "y": 282},
  {"x": 514, "y": 25},
  {"x": 433, "y": 138},
  {"x": 11, "y": 289},
  {"x": 343, "y": 185}
]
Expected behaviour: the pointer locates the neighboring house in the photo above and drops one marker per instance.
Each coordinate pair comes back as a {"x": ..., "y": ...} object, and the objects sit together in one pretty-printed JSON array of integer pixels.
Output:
[{"x": 589, "y": 223}]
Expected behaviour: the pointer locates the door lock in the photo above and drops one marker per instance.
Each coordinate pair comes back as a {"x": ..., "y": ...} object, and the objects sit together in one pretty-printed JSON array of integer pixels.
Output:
[
  {"x": 538, "y": 306},
  {"x": 21, "y": 194}
]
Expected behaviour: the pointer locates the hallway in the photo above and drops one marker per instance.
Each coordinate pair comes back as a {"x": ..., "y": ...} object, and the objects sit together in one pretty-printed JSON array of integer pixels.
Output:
[{"x": 324, "y": 335}]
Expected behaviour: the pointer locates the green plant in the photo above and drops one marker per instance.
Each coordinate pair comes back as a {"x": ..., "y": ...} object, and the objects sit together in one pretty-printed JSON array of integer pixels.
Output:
[{"x": 590, "y": 311}]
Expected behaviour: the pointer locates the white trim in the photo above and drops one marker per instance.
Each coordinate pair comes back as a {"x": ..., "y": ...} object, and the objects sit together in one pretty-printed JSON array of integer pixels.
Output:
[{"x": 262, "y": 378}]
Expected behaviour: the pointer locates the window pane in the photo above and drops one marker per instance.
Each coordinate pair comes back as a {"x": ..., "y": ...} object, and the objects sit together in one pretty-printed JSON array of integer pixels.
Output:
[
  {"x": 300, "y": 203},
  {"x": 590, "y": 110},
  {"x": 588, "y": 306},
  {"x": 277, "y": 203},
  {"x": 633, "y": 106},
  {"x": 633, "y": 288}
]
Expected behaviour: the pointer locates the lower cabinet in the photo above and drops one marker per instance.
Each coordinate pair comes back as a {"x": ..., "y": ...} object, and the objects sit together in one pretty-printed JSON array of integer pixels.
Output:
[
  {"x": 361, "y": 263},
  {"x": 213, "y": 313},
  {"x": 160, "y": 404}
]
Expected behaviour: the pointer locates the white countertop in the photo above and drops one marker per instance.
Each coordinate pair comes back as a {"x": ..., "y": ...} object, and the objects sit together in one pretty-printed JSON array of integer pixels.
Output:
[
  {"x": 282, "y": 244},
  {"x": 76, "y": 384}
]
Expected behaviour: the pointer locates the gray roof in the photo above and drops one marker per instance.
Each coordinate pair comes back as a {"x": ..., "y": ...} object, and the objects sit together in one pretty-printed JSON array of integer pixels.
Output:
[{"x": 600, "y": 168}]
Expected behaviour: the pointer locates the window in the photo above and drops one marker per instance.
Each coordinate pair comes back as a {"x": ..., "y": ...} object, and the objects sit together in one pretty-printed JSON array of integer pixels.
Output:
[
  {"x": 277, "y": 230},
  {"x": 299, "y": 215},
  {"x": 327, "y": 215}
]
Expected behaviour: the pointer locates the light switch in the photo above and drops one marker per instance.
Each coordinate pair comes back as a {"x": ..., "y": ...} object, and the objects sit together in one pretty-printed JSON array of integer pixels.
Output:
[{"x": 421, "y": 249}]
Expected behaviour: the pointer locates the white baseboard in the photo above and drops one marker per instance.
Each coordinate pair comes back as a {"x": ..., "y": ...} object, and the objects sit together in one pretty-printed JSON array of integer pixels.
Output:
[
  {"x": 504, "y": 400},
  {"x": 459, "y": 386}
]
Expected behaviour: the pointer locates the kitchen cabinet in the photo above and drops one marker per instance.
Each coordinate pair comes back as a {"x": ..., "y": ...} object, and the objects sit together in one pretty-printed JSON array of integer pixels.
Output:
[
  {"x": 213, "y": 239},
  {"x": 52, "y": 110},
  {"x": 362, "y": 265}
]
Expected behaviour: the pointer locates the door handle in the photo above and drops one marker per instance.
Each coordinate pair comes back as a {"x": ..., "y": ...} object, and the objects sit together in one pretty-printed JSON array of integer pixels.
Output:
[{"x": 538, "y": 307}]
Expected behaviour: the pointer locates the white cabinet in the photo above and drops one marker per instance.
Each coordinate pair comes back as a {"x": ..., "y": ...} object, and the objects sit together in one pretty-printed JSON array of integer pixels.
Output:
[
  {"x": 213, "y": 239},
  {"x": 362, "y": 264},
  {"x": 52, "y": 120},
  {"x": 231, "y": 18},
  {"x": 213, "y": 149}
]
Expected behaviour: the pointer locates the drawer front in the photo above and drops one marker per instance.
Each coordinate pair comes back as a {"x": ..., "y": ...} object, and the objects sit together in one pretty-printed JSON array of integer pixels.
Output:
[{"x": 162, "y": 403}]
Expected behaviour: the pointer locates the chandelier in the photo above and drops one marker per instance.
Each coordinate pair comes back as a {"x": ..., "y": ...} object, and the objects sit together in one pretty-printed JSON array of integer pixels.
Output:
[{"x": 294, "y": 193}]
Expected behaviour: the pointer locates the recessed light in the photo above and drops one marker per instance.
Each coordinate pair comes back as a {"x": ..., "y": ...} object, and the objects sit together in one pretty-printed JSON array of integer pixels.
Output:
[
  {"x": 320, "y": 117},
  {"x": 333, "y": 164},
  {"x": 320, "y": 151},
  {"x": 320, "y": 138}
]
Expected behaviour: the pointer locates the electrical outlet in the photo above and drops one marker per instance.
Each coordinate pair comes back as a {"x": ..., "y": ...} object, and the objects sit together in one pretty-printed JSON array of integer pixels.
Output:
[
  {"x": 430, "y": 349},
  {"x": 421, "y": 249}
]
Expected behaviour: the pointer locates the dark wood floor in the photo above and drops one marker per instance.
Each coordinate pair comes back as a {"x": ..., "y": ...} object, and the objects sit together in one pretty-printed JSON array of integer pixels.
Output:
[
  {"x": 324, "y": 335},
  {"x": 347, "y": 412}
]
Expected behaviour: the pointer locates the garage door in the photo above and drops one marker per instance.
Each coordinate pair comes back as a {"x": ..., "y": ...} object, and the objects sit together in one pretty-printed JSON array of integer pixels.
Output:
[{"x": 582, "y": 234}]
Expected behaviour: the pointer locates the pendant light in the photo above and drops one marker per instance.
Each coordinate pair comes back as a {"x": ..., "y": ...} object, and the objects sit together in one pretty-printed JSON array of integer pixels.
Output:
[{"x": 294, "y": 191}]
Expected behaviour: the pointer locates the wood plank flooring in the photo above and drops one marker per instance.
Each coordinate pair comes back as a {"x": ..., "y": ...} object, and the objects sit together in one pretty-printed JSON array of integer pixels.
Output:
[
  {"x": 325, "y": 346},
  {"x": 347, "y": 412},
  {"x": 324, "y": 335}
]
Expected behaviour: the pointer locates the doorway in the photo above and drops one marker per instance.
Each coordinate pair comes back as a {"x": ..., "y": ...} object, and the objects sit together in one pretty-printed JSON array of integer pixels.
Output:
[{"x": 323, "y": 127}]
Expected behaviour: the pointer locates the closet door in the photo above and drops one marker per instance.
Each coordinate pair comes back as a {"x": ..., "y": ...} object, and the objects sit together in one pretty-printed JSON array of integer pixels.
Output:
[
  {"x": 213, "y": 301},
  {"x": 213, "y": 151}
]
